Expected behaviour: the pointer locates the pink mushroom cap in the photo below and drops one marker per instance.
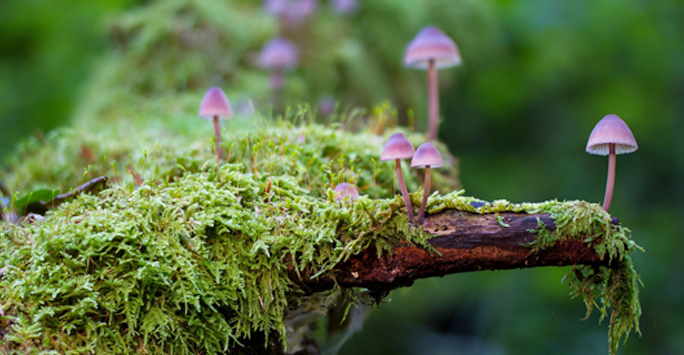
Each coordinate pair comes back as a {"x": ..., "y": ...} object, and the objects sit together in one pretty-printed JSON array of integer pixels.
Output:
[
  {"x": 346, "y": 190},
  {"x": 427, "y": 155},
  {"x": 611, "y": 129},
  {"x": 431, "y": 44},
  {"x": 344, "y": 6},
  {"x": 276, "y": 7},
  {"x": 278, "y": 53},
  {"x": 215, "y": 103},
  {"x": 397, "y": 147}
]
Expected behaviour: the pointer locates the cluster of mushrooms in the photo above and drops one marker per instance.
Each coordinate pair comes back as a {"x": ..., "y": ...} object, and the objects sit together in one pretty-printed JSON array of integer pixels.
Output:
[
  {"x": 430, "y": 49},
  {"x": 281, "y": 54}
]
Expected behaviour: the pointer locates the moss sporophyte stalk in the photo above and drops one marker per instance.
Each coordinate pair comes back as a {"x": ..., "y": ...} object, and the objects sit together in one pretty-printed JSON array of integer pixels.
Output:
[{"x": 196, "y": 258}]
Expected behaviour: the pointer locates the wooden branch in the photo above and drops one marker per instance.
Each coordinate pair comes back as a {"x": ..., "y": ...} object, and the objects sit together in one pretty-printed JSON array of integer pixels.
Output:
[
  {"x": 88, "y": 186},
  {"x": 466, "y": 242},
  {"x": 41, "y": 207}
]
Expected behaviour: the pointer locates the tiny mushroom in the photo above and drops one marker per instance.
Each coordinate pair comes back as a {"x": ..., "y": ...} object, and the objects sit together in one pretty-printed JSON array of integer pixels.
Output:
[
  {"x": 431, "y": 49},
  {"x": 426, "y": 156},
  {"x": 277, "y": 56},
  {"x": 611, "y": 136},
  {"x": 291, "y": 13},
  {"x": 215, "y": 104},
  {"x": 344, "y": 7},
  {"x": 346, "y": 191},
  {"x": 276, "y": 8},
  {"x": 326, "y": 105},
  {"x": 396, "y": 148}
]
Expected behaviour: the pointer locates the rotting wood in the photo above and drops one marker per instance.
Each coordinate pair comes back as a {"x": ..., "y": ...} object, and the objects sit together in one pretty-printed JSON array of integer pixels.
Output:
[{"x": 465, "y": 242}]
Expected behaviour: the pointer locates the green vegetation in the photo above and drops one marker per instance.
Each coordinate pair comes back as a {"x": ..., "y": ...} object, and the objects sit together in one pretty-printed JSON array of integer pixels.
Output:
[{"x": 196, "y": 259}]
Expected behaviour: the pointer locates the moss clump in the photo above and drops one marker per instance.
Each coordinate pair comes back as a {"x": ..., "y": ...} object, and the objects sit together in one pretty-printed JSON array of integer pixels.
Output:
[
  {"x": 316, "y": 156},
  {"x": 192, "y": 265},
  {"x": 196, "y": 258}
]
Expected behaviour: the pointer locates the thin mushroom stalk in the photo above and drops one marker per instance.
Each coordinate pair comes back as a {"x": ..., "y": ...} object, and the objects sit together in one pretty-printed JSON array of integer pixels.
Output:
[
  {"x": 426, "y": 193},
  {"x": 610, "y": 183},
  {"x": 404, "y": 192},
  {"x": 217, "y": 130},
  {"x": 277, "y": 79},
  {"x": 277, "y": 83},
  {"x": 433, "y": 98}
]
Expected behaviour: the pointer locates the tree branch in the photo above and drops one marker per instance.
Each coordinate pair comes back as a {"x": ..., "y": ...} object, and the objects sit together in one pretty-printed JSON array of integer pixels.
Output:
[{"x": 466, "y": 242}]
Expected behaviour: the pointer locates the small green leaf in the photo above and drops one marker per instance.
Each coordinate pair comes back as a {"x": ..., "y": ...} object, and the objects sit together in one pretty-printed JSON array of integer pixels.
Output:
[{"x": 33, "y": 197}]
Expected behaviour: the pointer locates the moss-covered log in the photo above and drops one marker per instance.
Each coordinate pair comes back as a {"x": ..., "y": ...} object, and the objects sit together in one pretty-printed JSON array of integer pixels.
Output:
[{"x": 463, "y": 242}]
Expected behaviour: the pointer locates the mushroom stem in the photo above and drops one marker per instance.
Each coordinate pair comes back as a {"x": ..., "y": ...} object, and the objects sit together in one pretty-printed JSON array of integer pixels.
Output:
[
  {"x": 433, "y": 100},
  {"x": 404, "y": 192},
  {"x": 610, "y": 184},
  {"x": 277, "y": 79},
  {"x": 217, "y": 130},
  {"x": 277, "y": 82},
  {"x": 426, "y": 193}
]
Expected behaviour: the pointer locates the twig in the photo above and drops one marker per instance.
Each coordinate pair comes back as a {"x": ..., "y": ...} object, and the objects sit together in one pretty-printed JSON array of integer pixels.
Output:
[{"x": 88, "y": 186}]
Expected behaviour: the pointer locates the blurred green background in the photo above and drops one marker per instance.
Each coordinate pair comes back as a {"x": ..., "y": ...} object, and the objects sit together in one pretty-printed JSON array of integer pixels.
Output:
[{"x": 536, "y": 76}]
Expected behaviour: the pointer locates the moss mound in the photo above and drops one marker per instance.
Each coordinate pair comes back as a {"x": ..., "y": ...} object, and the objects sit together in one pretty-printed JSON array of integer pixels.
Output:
[{"x": 196, "y": 258}]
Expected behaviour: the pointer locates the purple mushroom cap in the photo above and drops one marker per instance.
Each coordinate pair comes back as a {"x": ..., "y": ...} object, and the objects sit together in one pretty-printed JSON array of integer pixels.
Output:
[
  {"x": 346, "y": 190},
  {"x": 427, "y": 155},
  {"x": 278, "y": 53},
  {"x": 215, "y": 103},
  {"x": 344, "y": 7},
  {"x": 431, "y": 44},
  {"x": 611, "y": 129},
  {"x": 397, "y": 147}
]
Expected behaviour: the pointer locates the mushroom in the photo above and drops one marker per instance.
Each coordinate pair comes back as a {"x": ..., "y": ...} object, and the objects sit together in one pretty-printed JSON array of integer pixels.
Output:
[
  {"x": 396, "y": 148},
  {"x": 276, "y": 7},
  {"x": 431, "y": 49},
  {"x": 326, "y": 105},
  {"x": 611, "y": 136},
  {"x": 277, "y": 56},
  {"x": 345, "y": 191},
  {"x": 291, "y": 13},
  {"x": 302, "y": 10},
  {"x": 344, "y": 7},
  {"x": 215, "y": 104},
  {"x": 426, "y": 156}
]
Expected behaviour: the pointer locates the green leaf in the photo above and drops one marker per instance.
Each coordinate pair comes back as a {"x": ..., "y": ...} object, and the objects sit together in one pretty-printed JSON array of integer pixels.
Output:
[{"x": 34, "y": 197}]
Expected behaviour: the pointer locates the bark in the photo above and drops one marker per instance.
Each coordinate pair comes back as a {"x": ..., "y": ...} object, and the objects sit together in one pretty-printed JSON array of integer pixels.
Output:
[{"x": 465, "y": 242}]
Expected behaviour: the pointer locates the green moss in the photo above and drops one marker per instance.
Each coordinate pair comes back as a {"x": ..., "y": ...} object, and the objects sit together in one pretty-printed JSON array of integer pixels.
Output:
[
  {"x": 196, "y": 258},
  {"x": 187, "y": 265}
]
